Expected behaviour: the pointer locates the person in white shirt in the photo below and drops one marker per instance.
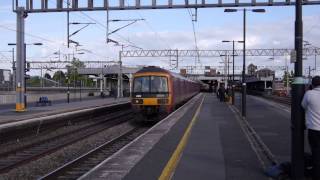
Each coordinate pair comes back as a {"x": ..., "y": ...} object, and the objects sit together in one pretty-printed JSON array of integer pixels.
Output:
[{"x": 311, "y": 105}]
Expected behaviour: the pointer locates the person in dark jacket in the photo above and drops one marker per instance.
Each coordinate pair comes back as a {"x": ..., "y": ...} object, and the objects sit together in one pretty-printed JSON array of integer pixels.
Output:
[{"x": 222, "y": 92}]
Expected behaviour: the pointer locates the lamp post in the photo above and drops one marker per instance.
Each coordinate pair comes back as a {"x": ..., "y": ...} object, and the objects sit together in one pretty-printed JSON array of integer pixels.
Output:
[
  {"x": 20, "y": 74},
  {"x": 13, "y": 71},
  {"x": 120, "y": 80},
  {"x": 244, "y": 86},
  {"x": 287, "y": 76},
  {"x": 233, "y": 55},
  {"x": 68, "y": 91},
  {"x": 297, "y": 115},
  {"x": 226, "y": 68},
  {"x": 309, "y": 45},
  {"x": 80, "y": 89}
]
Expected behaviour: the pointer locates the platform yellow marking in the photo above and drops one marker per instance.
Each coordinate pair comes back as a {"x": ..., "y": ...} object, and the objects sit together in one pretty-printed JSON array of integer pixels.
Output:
[{"x": 170, "y": 167}]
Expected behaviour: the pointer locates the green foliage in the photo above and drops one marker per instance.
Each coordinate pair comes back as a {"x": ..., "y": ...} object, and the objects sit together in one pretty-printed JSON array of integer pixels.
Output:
[
  {"x": 48, "y": 76},
  {"x": 59, "y": 77},
  {"x": 34, "y": 81},
  {"x": 288, "y": 76},
  {"x": 73, "y": 75},
  {"x": 75, "y": 64}
]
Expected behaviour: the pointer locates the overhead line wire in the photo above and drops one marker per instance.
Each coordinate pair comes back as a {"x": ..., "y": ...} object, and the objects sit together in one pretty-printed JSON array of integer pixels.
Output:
[
  {"x": 195, "y": 37},
  {"x": 102, "y": 25},
  {"x": 28, "y": 34},
  {"x": 313, "y": 26},
  {"x": 44, "y": 39},
  {"x": 162, "y": 40},
  {"x": 5, "y": 57}
]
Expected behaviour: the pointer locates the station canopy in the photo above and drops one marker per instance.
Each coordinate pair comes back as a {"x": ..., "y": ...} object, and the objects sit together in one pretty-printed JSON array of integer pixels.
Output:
[{"x": 108, "y": 70}]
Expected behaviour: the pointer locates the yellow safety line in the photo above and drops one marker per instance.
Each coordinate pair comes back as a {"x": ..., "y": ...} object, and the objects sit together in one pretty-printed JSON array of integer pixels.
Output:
[{"x": 167, "y": 172}]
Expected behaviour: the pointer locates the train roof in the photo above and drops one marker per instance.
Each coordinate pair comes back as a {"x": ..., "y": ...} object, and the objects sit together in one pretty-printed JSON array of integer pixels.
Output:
[
  {"x": 158, "y": 69},
  {"x": 152, "y": 69}
]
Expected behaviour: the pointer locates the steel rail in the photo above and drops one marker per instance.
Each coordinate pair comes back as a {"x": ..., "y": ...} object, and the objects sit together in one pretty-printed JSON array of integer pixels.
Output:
[
  {"x": 86, "y": 162},
  {"x": 17, "y": 157}
]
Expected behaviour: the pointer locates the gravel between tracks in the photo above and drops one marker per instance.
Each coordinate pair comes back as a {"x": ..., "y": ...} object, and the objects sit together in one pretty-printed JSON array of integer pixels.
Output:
[
  {"x": 43, "y": 136},
  {"x": 50, "y": 162}
]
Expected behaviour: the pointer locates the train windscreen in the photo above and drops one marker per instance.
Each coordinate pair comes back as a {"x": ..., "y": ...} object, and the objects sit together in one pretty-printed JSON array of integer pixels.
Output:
[{"x": 151, "y": 84}]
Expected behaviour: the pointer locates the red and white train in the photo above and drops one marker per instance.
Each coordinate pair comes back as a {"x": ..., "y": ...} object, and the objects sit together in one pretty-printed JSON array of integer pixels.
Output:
[{"x": 156, "y": 90}]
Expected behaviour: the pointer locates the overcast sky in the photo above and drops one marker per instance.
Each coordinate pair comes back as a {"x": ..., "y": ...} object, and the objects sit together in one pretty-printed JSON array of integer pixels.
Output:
[{"x": 161, "y": 29}]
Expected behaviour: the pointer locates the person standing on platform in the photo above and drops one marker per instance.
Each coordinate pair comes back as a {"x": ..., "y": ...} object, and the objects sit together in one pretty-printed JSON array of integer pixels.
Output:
[
  {"x": 311, "y": 105},
  {"x": 229, "y": 92},
  {"x": 222, "y": 92}
]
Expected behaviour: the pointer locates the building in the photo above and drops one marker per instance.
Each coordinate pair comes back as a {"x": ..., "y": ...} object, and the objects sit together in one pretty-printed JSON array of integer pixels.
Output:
[
  {"x": 208, "y": 71},
  {"x": 264, "y": 73},
  {"x": 183, "y": 72},
  {"x": 252, "y": 69},
  {"x": 260, "y": 80}
]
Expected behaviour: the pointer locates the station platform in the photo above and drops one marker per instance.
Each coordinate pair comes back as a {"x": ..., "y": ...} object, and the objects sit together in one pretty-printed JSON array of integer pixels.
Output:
[
  {"x": 216, "y": 149},
  {"x": 272, "y": 121},
  {"x": 9, "y": 115},
  {"x": 204, "y": 139}
]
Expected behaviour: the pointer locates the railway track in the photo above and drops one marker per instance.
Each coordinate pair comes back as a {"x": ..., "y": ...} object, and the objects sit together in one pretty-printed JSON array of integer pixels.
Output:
[
  {"x": 17, "y": 157},
  {"x": 282, "y": 100},
  {"x": 86, "y": 162},
  {"x": 45, "y": 125}
]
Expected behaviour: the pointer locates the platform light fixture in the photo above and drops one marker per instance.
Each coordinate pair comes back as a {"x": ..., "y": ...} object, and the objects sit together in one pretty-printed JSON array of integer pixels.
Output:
[
  {"x": 35, "y": 44},
  {"x": 244, "y": 87},
  {"x": 233, "y": 55},
  {"x": 20, "y": 75}
]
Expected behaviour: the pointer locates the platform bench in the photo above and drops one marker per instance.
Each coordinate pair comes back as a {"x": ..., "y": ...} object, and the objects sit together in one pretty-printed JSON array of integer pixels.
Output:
[{"x": 43, "y": 101}]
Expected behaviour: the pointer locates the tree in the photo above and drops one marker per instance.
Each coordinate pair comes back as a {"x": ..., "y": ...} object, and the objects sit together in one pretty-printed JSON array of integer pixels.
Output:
[
  {"x": 34, "y": 81},
  {"x": 75, "y": 64},
  {"x": 59, "y": 76},
  {"x": 72, "y": 71},
  {"x": 47, "y": 76},
  {"x": 288, "y": 76},
  {"x": 252, "y": 69}
]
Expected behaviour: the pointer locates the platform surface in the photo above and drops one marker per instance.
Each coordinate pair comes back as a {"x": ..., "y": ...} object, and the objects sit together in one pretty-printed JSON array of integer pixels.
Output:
[
  {"x": 216, "y": 149},
  {"x": 9, "y": 115},
  {"x": 272, "y": 121}
]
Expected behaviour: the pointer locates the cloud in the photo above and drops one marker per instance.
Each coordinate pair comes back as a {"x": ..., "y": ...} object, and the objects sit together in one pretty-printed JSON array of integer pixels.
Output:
[
  {"x": 9, "y": 23},
  {"x": 276, "y": 34},
  {"x": 272, "y": 35},
  {"x": 5, "y": 8}
]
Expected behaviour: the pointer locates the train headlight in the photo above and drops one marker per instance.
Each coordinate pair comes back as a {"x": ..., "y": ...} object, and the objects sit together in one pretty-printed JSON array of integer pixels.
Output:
[{"x": 137, "y": 101}]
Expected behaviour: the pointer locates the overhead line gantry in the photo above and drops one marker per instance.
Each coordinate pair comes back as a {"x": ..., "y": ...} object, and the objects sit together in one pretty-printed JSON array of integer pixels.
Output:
[
  {"x": 92, "y": 5},
  {"x": 216, "y": 53}
]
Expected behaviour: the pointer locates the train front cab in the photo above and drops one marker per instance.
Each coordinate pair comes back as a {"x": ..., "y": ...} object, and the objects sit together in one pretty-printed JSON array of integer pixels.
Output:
[{"x": 151, "y": 94}]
